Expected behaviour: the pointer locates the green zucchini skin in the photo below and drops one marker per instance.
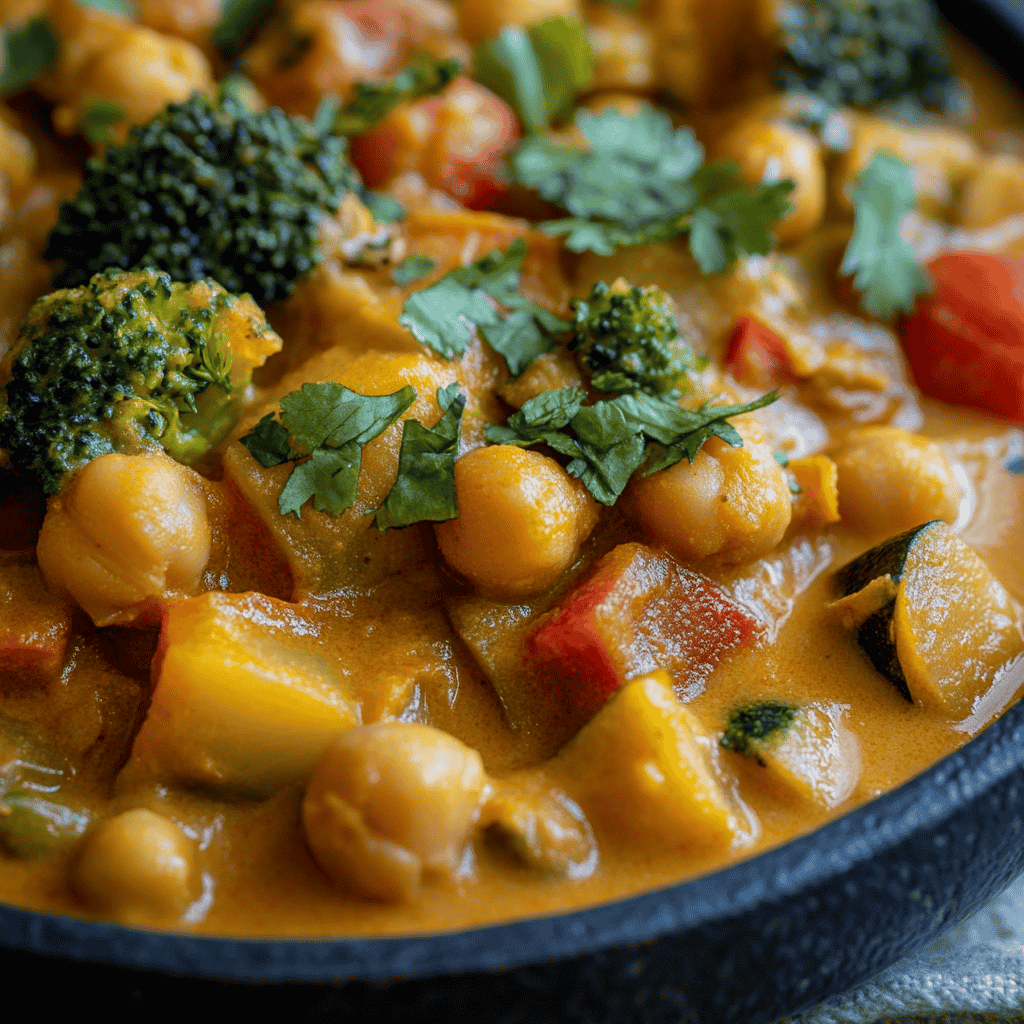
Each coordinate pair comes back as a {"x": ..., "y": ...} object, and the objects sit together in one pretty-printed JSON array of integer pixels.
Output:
[
  {"x": 886, "y": 559},
  {"x": 877, "y": 638}
]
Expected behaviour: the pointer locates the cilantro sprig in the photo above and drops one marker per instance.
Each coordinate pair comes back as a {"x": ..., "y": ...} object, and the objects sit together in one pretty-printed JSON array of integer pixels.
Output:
[
  {"x": 371, "y": 102},
  {"x": 322, "y": 428},
  {"x": 483, "y": 296},
  {"x": 883, "y": 264},
  {"x": 539, "y": 71},
  {"x": 607, "y": 442},
  {"x": 239, "y": 21},
  {"x": 641, "y": 181},
  {"x": 27, "y": 51}
]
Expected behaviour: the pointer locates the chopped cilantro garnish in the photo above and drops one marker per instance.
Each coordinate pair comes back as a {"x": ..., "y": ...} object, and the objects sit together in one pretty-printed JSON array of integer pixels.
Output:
[
  {"x": 371, "y": 102},
  {"x": 119, "y": 7},
  {"x": 884, "y": 266},
  {"x": 382, "y": 207},
  {"x": 610, "y": 440},
  {"x": 239, "y": 20},
  {"x": 98, "y": 119},
  {"x": 28, "y": 50},
  {"x": 539, "y": 70},
  {"x": 425, "y": 488},
  {"x": 643, "y": 181},
  {"x": 412, "y": 268},
  {"x": 446, "y": 314}
]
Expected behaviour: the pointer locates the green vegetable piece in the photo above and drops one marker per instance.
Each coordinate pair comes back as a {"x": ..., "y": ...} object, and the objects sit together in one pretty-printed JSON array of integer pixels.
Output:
[
  {"x": 610, "y": 440},
  {"x": 884, "y": 266},
  {"x": 208, "y": 190},
  {"x": 28, "y": 51},
  {"x": 129, "y": 362},
  {"x": 425, "y": 488},
  {"x": 411, "y": 269},
  {"x": 750, "y": 725},
  {"x": 863, "y": 53},
  {"x": 383, "y": 208},
  {"x": 33, "y": 826},
  {"x": 445, "y": 315},
  {"x": 121, "y": 8},
  {"x": 330, "y": 424},
  {"x": 538, "y": 71},
  {"x": 628, "y": 338},
  {"x": 371, "y": 102},
  {"x": 643, "y": 181},
  {"x": 99, "y": 118},
  {"x": 239, "y": 21}
]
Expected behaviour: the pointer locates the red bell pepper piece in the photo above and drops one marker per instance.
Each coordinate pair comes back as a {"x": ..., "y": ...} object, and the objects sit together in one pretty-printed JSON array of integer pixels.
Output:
[
  {"x": 757, "y": 355},
  {"x": 637, "y": 611},
  {"x": 965, "y": 342}
]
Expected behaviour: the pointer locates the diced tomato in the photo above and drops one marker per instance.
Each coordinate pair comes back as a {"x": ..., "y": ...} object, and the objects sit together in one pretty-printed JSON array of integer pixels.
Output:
[
  {"x": 965, "y": 342},
  {"x": 757, "y": 355},
  {"x": 455, "y": 140},
  {"x": 638, "y": 611}
]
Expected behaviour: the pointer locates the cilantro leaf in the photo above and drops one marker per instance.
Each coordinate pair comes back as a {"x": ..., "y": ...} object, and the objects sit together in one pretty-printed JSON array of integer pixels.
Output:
[
  {"x": 371, "y": 102},
  {"x": 383, "y": 208},
  {"x": 644, "y": 181},
  {"x": 99, "y": 117},
  {"x": 120, "y": 7},
  {"x": 884, "y": 266},
  {"x": 610, "y": 440},
  {"x": 28, "y": 50},
  {"x": 268, "y": 443},
  {"x": 425, "y": 487},
  {"x": 412, "y": 268},
  {"x": 239, "y": 20},
  {"x": 538, "y": 71},
  {"x": 330, "y": 477},
  {"x": 447, "y": 313}
]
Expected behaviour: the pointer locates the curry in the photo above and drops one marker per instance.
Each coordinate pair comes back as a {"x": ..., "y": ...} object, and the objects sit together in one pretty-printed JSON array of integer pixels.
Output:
[{"x": 465, "y": 463}]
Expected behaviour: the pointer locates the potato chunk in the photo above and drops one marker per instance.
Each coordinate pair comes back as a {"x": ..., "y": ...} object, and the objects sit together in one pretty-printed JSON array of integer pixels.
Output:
[
  {"x": 246, "y": 697},
  {"x": 391, "y": 803}
]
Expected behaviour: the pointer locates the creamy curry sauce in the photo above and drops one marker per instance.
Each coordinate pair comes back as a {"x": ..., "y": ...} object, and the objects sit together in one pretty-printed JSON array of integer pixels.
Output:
[{"x": 381, "y": 606}]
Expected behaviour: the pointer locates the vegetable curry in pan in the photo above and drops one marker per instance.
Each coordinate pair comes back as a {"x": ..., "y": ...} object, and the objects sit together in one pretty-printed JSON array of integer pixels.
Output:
[{"x": 465, "y": 462}]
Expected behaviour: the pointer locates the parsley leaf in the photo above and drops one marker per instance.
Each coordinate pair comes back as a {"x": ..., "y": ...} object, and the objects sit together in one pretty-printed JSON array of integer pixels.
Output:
[
  {"x": 371, "y": 102},
  {"x": 607, "y": 442},
  {"x": 885, "y": 268},
  {"x": 99, "y": 117},
  {"x": 330, "y": 424},
  {"x": 27, "y": 51},
  {"x": 538, "y": 71},
  {"x": 239, "y": 20},
  {"x": 425, "y": 487},
  {"x": 412, "y": 268},
  {"x": 642, "y": 181},
  {"x": 446, "y": 315}
]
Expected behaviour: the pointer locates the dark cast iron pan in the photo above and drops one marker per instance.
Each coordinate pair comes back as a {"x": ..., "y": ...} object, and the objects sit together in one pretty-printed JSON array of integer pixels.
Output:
[{"x": 767, "y": 937}]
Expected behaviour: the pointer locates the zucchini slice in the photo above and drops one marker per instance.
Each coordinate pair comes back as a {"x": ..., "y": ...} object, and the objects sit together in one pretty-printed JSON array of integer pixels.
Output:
[{"x": 931, "y": 617}]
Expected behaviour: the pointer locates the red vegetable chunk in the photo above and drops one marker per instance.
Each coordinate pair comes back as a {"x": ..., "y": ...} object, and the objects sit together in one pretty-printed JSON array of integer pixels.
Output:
[
  {"x": 34, "y": 626},
  {"x": 757, "y": 355},
  {"x": 965, "y": 342},
  {"x": 638, "y": 611}
]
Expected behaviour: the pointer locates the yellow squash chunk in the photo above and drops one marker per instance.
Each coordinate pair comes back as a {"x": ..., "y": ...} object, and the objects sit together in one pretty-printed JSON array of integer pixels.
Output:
[
  {"x": 643, "y": 766},
  {"x": 245, "y": 701},
  {"x": 818, "y": 501}
]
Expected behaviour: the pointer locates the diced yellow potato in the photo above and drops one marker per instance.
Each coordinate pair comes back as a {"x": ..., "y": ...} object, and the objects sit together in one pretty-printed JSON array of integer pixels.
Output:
[
  {"x": 246, "y": 698},
  {"x": 644, "y": 766},
  {"x": 814, "y": 755}
]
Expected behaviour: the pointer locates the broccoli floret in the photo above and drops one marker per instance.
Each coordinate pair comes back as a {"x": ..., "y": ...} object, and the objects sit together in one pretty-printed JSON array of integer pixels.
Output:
[
  {"x": 129, "y": 362},
  {"x": 628, "y": 338},
  {"x": 208, "y": 190},
  {"x": 863, "y": 53},
  {"x": 753, "y": 723}
]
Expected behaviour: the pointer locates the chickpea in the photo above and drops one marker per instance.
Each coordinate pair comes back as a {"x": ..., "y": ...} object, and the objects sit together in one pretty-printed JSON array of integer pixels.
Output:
[
  {"x": 480, "y": 21},
  {"x": 733, "y": 504},
  {"x": 128, "y": 530},
  {"x": 521, "y": 520},
  {"x": 389, "y": 803},
  {"x": 770, "y": 151},
  {"x": 136, "y": 868},
  {"x": 893, "y": 480}
]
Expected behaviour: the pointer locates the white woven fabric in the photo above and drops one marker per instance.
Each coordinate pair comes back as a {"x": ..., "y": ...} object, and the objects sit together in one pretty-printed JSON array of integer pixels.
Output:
[{"x": 973, "y": 975}]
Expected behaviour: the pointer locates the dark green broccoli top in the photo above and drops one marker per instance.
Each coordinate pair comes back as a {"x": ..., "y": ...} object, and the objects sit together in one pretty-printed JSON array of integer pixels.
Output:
[
  {"x": 628, "y": 337},
  {"x": 865, "y": 52},
  {"x": 119, "y": 366},
  {"x": 207, "y": 190},
  {"x": 755, "y": 722}
]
